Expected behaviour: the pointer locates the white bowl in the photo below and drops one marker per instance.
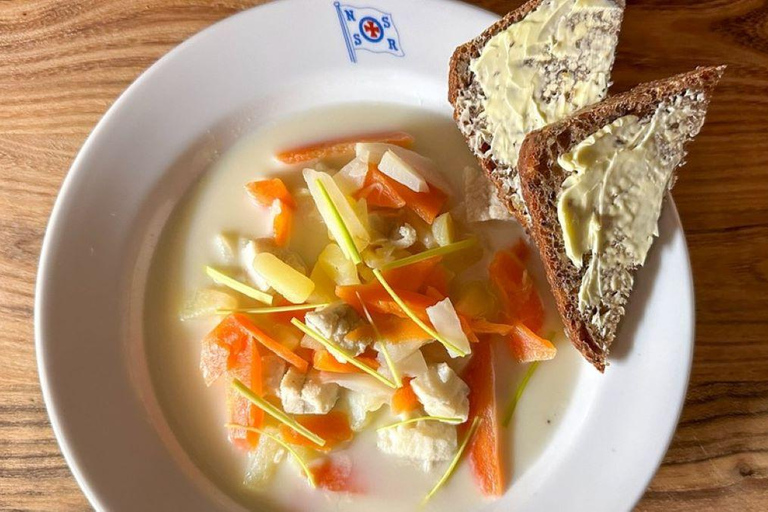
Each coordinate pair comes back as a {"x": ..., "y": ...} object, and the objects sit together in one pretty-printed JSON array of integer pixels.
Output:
[{"x": 156, "y": 141}]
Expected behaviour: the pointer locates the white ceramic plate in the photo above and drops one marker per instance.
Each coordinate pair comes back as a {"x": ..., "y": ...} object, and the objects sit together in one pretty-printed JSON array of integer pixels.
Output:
[{"x": 159, "y": 137}]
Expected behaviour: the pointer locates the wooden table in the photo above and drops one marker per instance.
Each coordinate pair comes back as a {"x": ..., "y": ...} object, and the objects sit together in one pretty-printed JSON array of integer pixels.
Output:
[{"x": 63, "y": 63}]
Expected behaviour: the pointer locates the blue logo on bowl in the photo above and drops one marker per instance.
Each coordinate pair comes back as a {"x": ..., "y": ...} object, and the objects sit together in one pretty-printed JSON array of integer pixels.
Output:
[{"x": 369, "y": 29}]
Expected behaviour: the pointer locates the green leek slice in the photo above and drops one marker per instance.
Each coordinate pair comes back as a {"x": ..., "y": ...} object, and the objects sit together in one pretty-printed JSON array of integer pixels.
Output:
[
  {"x": 340, "y": 352},
  {"x": 510, "y": 410},
  {"x": 347, "y": 243},
  {"x": 431, "y": 253},
  {"x": 275, "y": 309},
  {"x": 455, "y": 461},
  {"x": 289, "y": 448},
  {"x": 408, "y": 311},
  {"x": 236, "y": 285},
  {"x": 276, "y": 413}
]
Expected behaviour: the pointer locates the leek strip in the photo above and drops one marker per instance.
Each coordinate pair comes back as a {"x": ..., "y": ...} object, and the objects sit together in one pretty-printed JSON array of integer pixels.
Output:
[
  {"x": 276, "y": 309},
  {"x": 454, "y": 462},
  {"x": 310, "y": 476},
  {"x": 431, "y": 253},
  {"x": 443, "y": 419},
  {"x": 408, "y": 311},
  {"x": 275, "y": 412},
  {"x": 236, "y": 285},
  {"x": 380, "y": 340},
  {"x": 510, "y": 410},
  {"x": 340, "y": 352},
  {"x": 347, "y": 243}
]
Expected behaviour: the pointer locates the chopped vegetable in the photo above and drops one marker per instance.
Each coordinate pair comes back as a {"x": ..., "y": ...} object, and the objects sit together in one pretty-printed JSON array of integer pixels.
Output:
[
  {"x": 439, "y": 279},
  {"x": 380, "y": 301},
  {"x": 484, "y": 450},
  {"x": 527, "y": 346},
  {"x": 483, "y": 326},
  {"x": 382, "y": 346},
  {"x": 340, "y": 147},
  {"x": 441, "y": 419},
  {"x": 323, "y": 361},
  {"x": 516, "y": 290},
  {"x": 324, "y": 285},
  {"x": 455, "y": 462},
  {"x": 332, "y": 427},
  {"x": 443, "y": 229},
  {"x": 282, "y": 223},
  {"x": 287, "y": 281},
  {"x": 338, "y": 215},
  {"x": 335, "y": 474},
  {"x": 379, "y": 191},
  {"x": 351, "y": 177},
  {"x": 274, "y": 309},
  {"x": 236, "y": 285},
  {"x": 340, "y": 353},
  {"x": 413, "y": 316},
  {"x": 246, "y": 367},
  {"x": 446, "y": 322},
  {"x": 206, "y": 302},
  {"x": 220, "y": 349},
  {"x": 294, "y": 453},
  {"x": 510, "y": 410},
  {"x": 278, "y": 348},
  {"x": 399, "y": 170},
  {"x": 275, "y": 412},
  {"x": 426, "y": 205},
  {"x": 266, "y": 192},
  {"x": 392, "y": 328},
  {"x": 405, "y": 400},
  {"x": 431, "y": 253},
  {"x": 340, "y": 269}
]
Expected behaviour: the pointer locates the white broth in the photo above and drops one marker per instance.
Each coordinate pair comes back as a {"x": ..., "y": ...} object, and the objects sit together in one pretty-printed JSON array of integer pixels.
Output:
[{"x": 196, "y": 414}]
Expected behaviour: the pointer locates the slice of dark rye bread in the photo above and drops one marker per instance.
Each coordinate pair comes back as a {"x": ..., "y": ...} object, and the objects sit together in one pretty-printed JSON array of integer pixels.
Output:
[
  {"x": 462, "y": 86},
  {"x": 542, "y": 180}
]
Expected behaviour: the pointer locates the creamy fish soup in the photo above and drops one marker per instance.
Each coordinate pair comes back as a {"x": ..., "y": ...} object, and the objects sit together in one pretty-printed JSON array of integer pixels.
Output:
[{"x": 342, "y": 316}]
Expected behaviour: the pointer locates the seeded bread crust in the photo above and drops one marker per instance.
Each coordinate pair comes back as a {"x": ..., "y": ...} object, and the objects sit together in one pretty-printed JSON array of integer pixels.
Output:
[
  {"x": 542, "y": 178},
  {"x": 461, "y": 82}
]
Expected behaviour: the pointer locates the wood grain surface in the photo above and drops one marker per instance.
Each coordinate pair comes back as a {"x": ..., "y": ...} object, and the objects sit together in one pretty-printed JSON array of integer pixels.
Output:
[{"x": 62, "y": 63}]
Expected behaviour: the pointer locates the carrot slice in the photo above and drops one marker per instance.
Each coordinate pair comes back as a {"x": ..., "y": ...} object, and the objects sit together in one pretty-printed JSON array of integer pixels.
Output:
[
  {"x": 275, "y": 346},
  {"x": 426, "y": 205},
  {"x": 404, "y": 400},
  {"x": 342, "y": 146},
  {"x": 335, "y": 474},
  {"x": 323, "y": 361},
  {"x": 378, "y": 192},
  {"x": 220, "y": 349},
  {"x": 282, "y": 224},
  {"x": 527, "y": 347},
  {"x": 438, "y": 278},
  {"x": 516, "y": 290},
  {"x": 483, "y": 326},
  {"x": 394, "y": 329},
  {"x": 332, "y": 427},
  {"x": 378, "y": 300},
  {"x": 266, "y": 192},
  {"x": 484, "y": 449},
  {"x": 248, "y": 369}
]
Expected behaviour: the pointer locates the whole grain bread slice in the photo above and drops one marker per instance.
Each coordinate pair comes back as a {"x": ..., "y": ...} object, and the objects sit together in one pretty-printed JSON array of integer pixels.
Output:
[
  {"x": 593, "y": 330},
  {"x": 466, "y": 94}
]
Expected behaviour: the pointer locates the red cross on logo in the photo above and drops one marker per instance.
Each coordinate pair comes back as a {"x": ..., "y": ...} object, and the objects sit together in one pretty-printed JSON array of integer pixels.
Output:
[{"x": 371, "y": 29}]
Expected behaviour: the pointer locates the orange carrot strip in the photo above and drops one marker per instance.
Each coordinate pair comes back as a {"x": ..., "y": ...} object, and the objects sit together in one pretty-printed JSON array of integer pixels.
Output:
[
  {"x": 335, "y": 474},
  {"x": 516, "y": 290},
  {"x": 426, "y": 205},
  {"x": 266, "y": 192},
  {"x": 393, "y": 328},
  {"x": 221, "y": 348},
  {"x": 483, "y": 326},
  {"x": 333, "y": 428},
  {"x": 527, "y": 347},
  {"x": 404, "y": 399},
  {"x": 438, "y": 278},
  {"x": 282, "y": 224},
  {"x": 248, "y": 369},
  {"x": 275, "y": 346},
  {"x": 378, "y": 192},
  {"x": 342, "y": 146},
  {"x": 323, "y": 361},
  {"x": 484, "y": 449}
]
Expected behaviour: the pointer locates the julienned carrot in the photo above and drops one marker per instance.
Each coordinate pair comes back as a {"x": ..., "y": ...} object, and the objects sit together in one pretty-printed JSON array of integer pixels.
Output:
[
  {"x": 323, "y": 361},
  {"x": 247, "y": 368},
  {"x": 426, "y": 205},
  {"x": 342, "y": 146},
  {"x": 221, "y": 347},
  {"x": 438, "y": 278},
  {"x": 282, "y": 224},
  {"x": 404, "y": 400},
  {"x": 515, "y": 288},
  {"x": 378, "y": 300},
  {"x": 483, "y": 326},
  {"x": 266, "y": 192},
  {"x": 527, "y": 346},
  {"x": 378, "y": 192},
  {"x": 394, "y": 329},
  {"x": 332, "y": 427},
  {"x": 269, "y": 343},
  {"x": 484, "y": 449},
  {"x": 336, "y": 475}
]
